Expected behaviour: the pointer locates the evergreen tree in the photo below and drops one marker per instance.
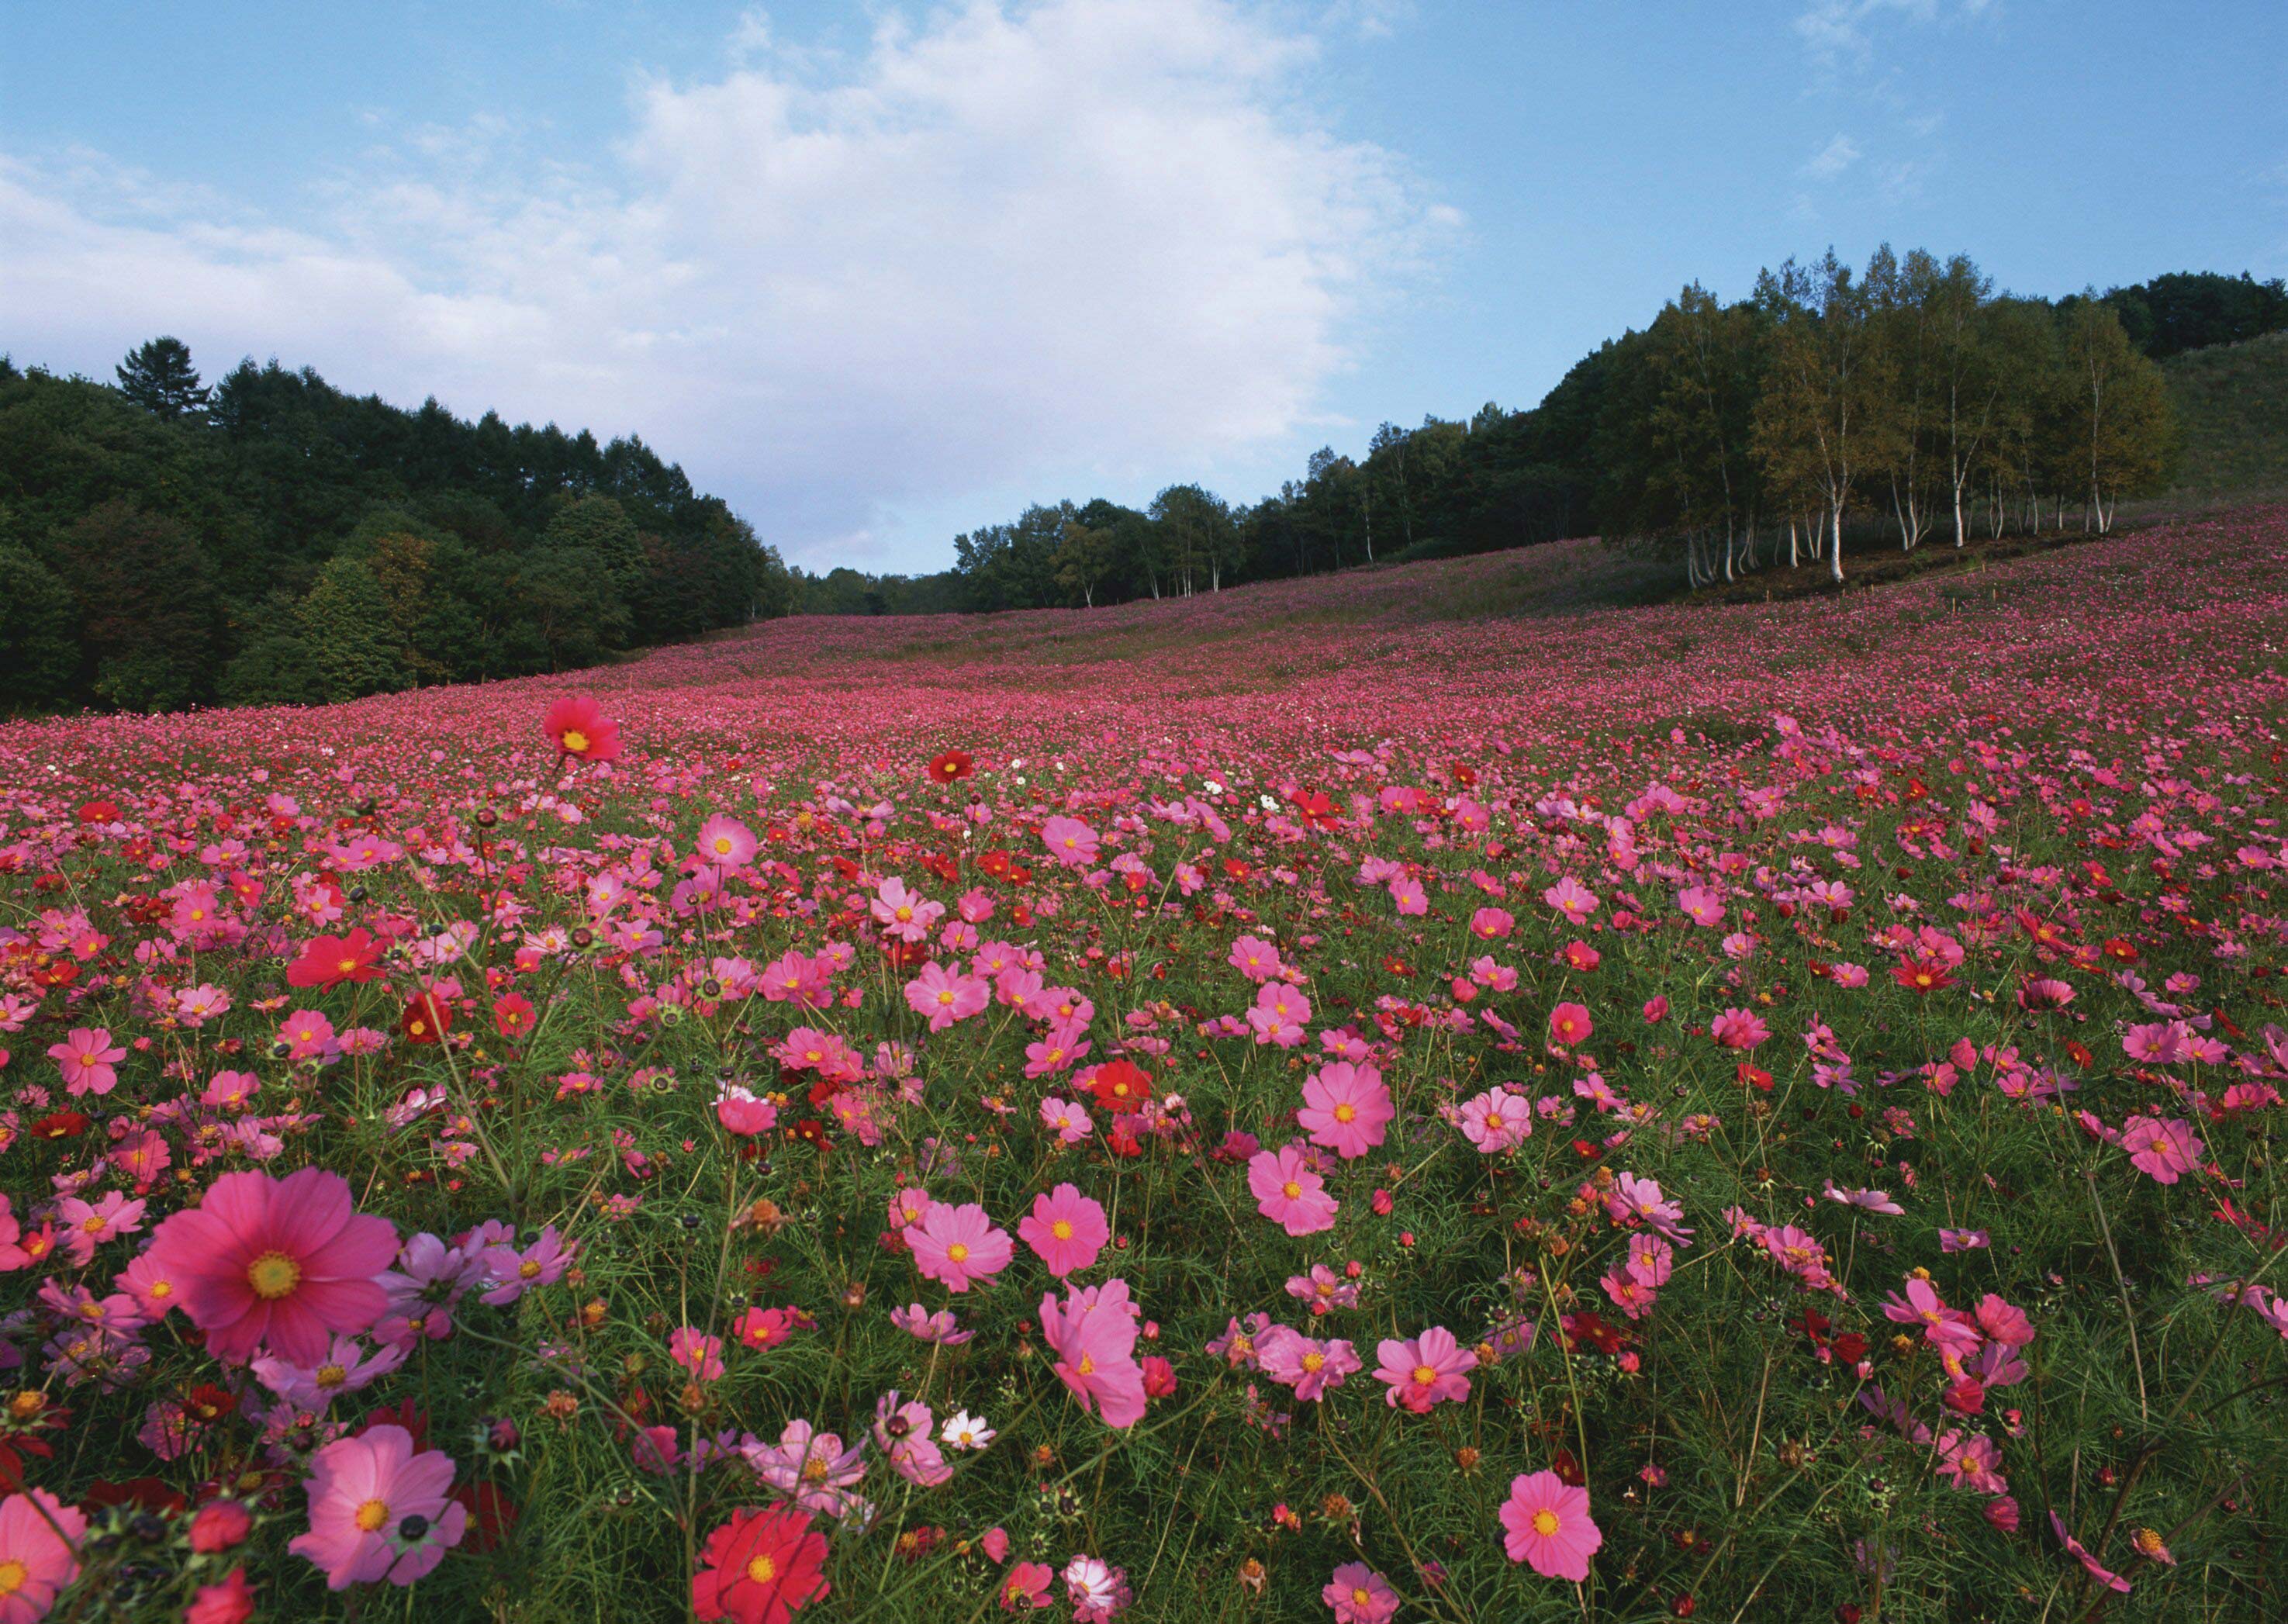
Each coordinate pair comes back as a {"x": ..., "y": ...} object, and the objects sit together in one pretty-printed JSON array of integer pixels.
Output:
[{"x": 159, "y": 378}]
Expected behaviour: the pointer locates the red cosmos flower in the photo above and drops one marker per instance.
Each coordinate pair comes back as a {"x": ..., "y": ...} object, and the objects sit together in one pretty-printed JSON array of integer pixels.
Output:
[
  {"x": 60, "y": 1125},
  {"x": 513, "y": 1015},
  {"x": 580, "y": 728},
  {"x": 1121, "y": 1084},
  {"x": 951, "y": 766},
  {"x": 328, "y": 961},
  {"x": 761, "y": 1567},
  {"x": 1922, "y": 976},
  {"x": 427, "y": 1018},
  {"x": 98, "y": 811},
  {"x": 1315, "y": 809}
]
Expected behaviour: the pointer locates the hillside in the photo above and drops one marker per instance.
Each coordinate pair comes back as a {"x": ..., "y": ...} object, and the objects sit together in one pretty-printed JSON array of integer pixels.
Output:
[{"x": 2232, "y": 406}]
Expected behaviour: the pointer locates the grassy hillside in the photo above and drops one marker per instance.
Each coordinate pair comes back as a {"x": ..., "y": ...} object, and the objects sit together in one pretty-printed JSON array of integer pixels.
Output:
[{"x": 2233, "y": 401}]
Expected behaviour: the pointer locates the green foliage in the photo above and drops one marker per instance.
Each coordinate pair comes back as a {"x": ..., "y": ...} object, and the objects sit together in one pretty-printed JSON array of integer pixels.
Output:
[
  {"x": 39, "y": 653},
  {"x": 263, "y": 481},
  {"x": 2232, "y": 401},
  {"x": 2193, "y": 310},
  {"x": 349, "y": 630}
]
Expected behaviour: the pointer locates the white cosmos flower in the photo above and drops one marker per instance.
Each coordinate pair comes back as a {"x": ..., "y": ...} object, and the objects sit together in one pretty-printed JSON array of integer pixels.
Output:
[{"x": 965, "y": 1431}]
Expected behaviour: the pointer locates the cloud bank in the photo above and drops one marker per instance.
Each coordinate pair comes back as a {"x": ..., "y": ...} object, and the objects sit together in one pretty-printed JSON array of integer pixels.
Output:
[{"x": 1005, "y": 239}]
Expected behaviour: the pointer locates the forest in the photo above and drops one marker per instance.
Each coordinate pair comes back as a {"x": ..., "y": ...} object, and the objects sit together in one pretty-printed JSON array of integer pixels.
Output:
[
  {"x": 1890, "y": 405},
  {"x": 165, "y": 543}
]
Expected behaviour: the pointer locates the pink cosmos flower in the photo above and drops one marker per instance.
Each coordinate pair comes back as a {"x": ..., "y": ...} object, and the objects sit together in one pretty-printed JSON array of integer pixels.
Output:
[
  {"x": 88, "y": 1225},
  {"x": 810, "y": 1467},
  {"x": 1070, "y": 841},
  {"x": 1572, "y": 898},
  {"x": 1360, "y": 1596},
  {"x": 1345, "y": 1108},
  {"x": 39, "y": 1547},
  {"x": 1701, "y": 904},
  {"x": 696, "y": 1352},
  {"x": 904, "y": 915},
  {"x": 378, "y": 1509},
  {"x": 2080, "y": 1553},
  {"x": 1304, "y": 1363},
  {"x": 2165, "y": 1150},
  {"x": 1071, "y": 1123},
  {"x": 1546, "y": 1526},
  {"x": 1278, "y": 1015},
  {"x": 1425, "y": 1370},
  {"x": 742, "y": 1113},
  {"x": 1289, "y": 1193},
  {"x": 86, "y": 1057},
  {"x": 956, "y": 1245},
  {"x": 276, "y": 1263},
  {"x": 944, "y": 997},
  {"x": 1569, "y": 1025},
  {"x": 1492, "y": 925},
  {"x": 345, "y": 1368},
  {"x": 1738, "y": 1029},
  {"x": 725, "y": 841},
  {"x": 1258, "y": 961},
  {"x": 1065, "y": 1228},
  {"x": 1093, "y": 1336},
  {"x": 1496, "y": 1121}
]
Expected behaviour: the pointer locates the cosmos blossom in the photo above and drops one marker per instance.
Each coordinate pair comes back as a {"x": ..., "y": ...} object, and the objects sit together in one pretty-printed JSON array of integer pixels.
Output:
[
  {"x": 1546, "y": 1524},
  {"x": 380, "y": 1509},
  {"x": 761, "y": 1567},
  {"x": 1092, "y": 1332},
  {"x": 1425, "y": 1370},
  {"x": 1289, "y": 1193},
  {"x": 958, "y": 1246},
  {"x": 1066, "y": 1228},
  {"x": 1345, "y": 1108},
  {"x": 278, "y": 1264},
  {"x": 577, "y": 726}
]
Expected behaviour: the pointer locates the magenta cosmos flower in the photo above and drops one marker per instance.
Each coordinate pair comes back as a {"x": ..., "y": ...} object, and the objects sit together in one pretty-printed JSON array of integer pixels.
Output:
[
  {"x": 86, "y": 1057},
  {"x": 1360, "y": 1596},
  {"x": 1289, "y": 1193},
  {"x": 1425, "y": 1369},
  {"x": 1345, "y": 1108},
  {"x": 1065, "y": 1228},
  {"x": 1548, "y": 1527},
  {"x": 34, "y": 1562},
  {"x": 955, "y": 1245},
  {"x": 277, "y": 1263},
  {"x": 378, "y": 1509},
  {"x": 1093, "y": 1336}
]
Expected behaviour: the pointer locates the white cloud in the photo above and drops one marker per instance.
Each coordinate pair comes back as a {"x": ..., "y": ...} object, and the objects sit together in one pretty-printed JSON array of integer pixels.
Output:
[
  {"x": 1832, "y": 159},
  {"x": 1005, "y": 239}
]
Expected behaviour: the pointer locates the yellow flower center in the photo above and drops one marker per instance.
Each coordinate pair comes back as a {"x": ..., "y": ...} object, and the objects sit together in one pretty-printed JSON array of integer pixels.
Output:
[
  {"x": 527, "y": 1270},
  {"x": 814, "y": 1471},
  {"x": 574, "y": 740},
  {"x": 1291, "y": 1189},
  {"x": 1087, "y": 1365},
  {"x": 958, "y": 1252},
  {"x": 1359, "y": 1597},
  {"x": 1315, "y": 1362},
  {"x": 274, "y": 1275},
  {"x": 331, "y": 1375},
  {"x": 762, "y": 1570},
  {"x": 723, "y": 844},
  {"x": 1493, "y": 1120},
  {"x": 1545, "y": 1522},
  {"x": 93, "y": 1226},
  {"x": 1347, "y": 1112},
  {"x": 372, "y": 1516},
  {"x": 12, "y": 1575},
  {"x": 1062, "y": 1229},
  {"x": 1424, "y": 1375}
]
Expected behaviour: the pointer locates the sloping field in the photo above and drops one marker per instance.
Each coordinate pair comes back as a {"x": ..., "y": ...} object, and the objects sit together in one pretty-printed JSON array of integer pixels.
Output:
[{"x": 1439, "y": 1093}]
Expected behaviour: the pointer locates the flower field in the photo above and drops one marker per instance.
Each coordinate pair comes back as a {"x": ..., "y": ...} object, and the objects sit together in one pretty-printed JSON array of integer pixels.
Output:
[{"x": 1412, "y": 1096}]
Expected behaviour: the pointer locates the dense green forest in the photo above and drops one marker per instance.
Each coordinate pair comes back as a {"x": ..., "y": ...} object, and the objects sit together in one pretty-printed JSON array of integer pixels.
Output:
[
  {"x": 1904, "y": 400},
  {"x": 165, "y": 543}
]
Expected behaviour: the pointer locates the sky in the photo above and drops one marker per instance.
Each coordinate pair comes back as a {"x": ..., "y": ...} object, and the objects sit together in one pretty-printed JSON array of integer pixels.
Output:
[{"x": 879, "y": 273}]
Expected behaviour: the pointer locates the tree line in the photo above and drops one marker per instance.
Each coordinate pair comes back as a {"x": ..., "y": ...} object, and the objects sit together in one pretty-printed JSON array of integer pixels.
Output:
[
  {"x": 272, "y": 539},
  {"x": 1905, "y": 401}
]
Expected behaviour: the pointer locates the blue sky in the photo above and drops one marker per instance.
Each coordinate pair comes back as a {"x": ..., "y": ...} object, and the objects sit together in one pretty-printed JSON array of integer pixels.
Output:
[{"x": 879, "y": 273}]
